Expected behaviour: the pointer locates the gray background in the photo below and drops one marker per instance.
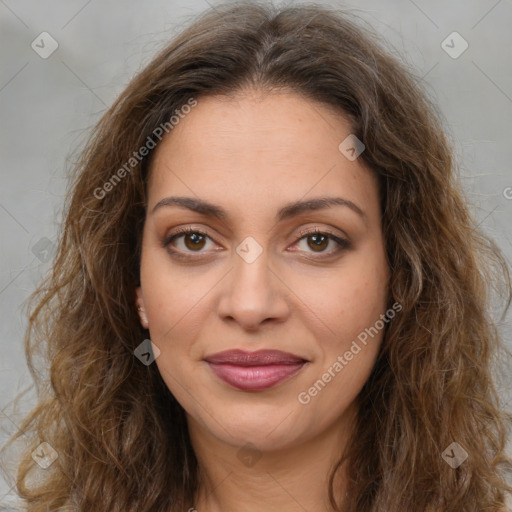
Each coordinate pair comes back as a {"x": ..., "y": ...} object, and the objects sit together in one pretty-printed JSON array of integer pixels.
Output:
[{"x": 49, "y": 105}]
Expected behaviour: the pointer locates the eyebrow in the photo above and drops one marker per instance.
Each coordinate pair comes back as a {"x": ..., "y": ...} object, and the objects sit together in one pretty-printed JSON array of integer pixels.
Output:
[{"x": 289, "y": 210}]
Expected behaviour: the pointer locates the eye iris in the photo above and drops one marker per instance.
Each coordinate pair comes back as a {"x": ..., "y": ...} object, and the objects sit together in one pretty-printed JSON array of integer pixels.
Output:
[
  {"x": 318, "y": 244},
  {"x": 196, "y": 239}
]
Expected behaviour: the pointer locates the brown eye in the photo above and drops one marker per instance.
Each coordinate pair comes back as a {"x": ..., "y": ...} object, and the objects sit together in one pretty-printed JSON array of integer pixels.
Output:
[
  {"x": 319, "y": 242},
  {"x": 187, "y": 240},
  {"x": 194, "y": 241}
]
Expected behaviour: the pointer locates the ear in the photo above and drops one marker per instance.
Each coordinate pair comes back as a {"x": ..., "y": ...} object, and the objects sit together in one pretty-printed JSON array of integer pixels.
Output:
[{"x": 140, "y": 308}]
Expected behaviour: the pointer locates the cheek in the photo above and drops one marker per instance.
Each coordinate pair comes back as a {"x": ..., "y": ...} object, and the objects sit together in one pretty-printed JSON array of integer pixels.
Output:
[
  {"x": 345, "y": 301},
  {"x": 176, "y": 302},
  {"x": 348, "y": 330},
  {"x": 173, "y": 295}
]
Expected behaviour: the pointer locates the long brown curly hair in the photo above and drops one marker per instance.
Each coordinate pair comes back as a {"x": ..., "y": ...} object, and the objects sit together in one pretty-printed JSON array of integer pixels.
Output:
[{"x": 120, "y": 435}]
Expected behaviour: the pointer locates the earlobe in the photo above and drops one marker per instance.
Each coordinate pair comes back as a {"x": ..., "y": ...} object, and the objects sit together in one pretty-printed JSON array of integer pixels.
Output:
[{"x": 140, "y": 308}]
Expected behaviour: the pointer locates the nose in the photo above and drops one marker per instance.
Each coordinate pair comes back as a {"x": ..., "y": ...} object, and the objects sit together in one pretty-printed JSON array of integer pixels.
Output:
[{"x": 253, "y": 294}]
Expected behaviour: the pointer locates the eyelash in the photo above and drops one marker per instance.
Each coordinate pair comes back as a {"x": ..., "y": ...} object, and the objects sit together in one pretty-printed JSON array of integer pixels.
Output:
[{"x": 342, "y": 243}]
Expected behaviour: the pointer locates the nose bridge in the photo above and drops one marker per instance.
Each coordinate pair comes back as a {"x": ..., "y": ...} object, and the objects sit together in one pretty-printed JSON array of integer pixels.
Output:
[
  {"x": 251, "y": 267},
  {"x": 252, "y": 293}
]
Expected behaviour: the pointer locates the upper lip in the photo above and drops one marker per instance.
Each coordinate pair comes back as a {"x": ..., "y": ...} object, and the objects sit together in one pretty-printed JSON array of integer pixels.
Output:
[{"x": 260, "y": 357}]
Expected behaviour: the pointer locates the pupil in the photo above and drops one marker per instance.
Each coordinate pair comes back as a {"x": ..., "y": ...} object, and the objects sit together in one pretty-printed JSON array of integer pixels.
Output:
[
  {"x": 194, "y": 240},
  {"x": 318, "y": 240}
]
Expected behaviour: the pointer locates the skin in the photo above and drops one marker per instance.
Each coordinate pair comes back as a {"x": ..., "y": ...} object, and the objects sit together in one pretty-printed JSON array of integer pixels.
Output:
[{"x": 251, "y": 154}]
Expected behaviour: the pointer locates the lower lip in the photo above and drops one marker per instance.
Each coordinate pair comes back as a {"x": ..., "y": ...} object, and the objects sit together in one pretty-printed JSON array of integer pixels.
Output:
[{"x": 254, "y": 378}]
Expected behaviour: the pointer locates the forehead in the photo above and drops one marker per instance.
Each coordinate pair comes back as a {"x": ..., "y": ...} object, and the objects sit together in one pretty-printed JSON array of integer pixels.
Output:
[{"x": 254, "y": 150}]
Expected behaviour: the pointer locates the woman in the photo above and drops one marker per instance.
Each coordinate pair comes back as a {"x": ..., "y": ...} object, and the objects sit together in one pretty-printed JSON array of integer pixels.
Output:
[{"x": 269, "y": 292}]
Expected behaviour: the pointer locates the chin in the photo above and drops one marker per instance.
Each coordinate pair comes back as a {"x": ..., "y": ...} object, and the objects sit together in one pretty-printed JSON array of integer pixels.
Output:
[{"x": 266, "y": 432}]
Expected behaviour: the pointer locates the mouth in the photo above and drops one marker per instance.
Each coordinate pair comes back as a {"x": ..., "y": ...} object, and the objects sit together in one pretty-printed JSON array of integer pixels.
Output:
[{"x": 254, "y": 371}]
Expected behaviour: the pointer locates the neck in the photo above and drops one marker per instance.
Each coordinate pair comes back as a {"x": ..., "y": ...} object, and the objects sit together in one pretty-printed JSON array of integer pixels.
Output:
[{"x": 295, "y": 478}]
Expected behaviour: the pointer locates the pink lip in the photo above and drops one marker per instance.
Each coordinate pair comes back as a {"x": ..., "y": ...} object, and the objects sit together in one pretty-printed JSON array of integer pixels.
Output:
[{"x": 253, "y": 371}]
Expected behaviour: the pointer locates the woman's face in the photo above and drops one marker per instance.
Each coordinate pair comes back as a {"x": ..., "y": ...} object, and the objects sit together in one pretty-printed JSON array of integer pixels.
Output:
[{"x": 256, "y": 276}]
